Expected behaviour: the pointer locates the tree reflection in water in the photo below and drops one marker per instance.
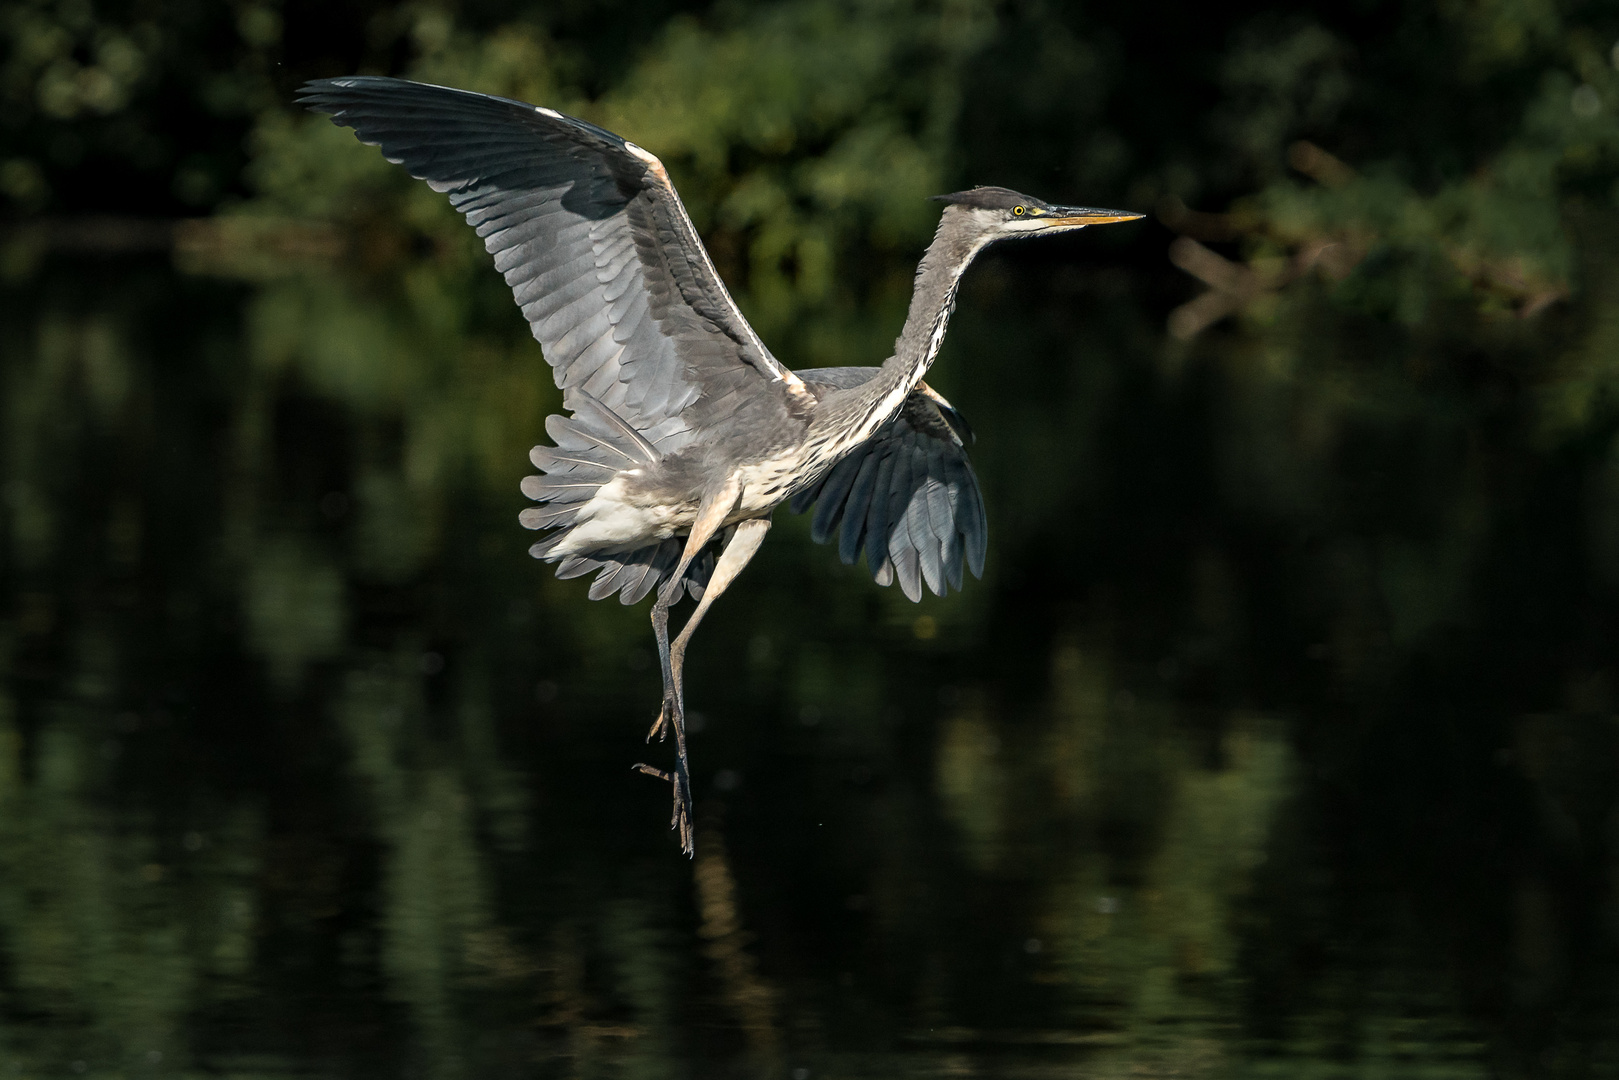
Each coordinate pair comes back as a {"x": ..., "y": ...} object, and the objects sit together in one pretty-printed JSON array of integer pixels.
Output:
[{"x": 1241, "y": 780}]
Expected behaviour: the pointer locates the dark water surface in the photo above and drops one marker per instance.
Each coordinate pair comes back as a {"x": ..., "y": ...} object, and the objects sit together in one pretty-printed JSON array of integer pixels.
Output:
[{"x": 1278, "y": 740}]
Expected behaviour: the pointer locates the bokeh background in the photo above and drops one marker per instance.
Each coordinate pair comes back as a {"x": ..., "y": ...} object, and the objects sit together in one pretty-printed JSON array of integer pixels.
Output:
[{"x": 1279, "y": 739}]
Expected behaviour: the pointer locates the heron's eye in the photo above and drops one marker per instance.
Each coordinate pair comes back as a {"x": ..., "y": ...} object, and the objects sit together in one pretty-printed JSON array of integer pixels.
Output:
[{"x": 1017, "y": 211}]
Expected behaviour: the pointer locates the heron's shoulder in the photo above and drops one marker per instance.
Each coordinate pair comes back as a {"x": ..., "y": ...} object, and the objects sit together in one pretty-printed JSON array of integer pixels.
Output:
[
  {"x": 836, "y": 378},
  {"x": 925, "y": 409}
]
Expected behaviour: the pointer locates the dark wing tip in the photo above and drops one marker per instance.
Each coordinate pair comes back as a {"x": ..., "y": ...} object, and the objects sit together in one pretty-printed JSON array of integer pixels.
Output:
[
  {"x": 328, "y": 95},
  {"x": 382, "y": 96}
]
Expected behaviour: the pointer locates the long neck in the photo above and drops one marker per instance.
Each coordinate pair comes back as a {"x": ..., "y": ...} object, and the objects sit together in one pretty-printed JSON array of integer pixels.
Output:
[{"x": 864, "y": 408}]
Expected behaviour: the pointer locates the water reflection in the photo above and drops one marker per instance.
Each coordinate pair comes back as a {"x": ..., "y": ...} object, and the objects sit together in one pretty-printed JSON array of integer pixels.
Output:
[{"x": 1278, "y": 738}]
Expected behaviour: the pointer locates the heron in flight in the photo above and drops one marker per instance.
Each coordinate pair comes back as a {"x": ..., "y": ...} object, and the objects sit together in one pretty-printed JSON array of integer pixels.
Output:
[{"x": 683, "y": 432}]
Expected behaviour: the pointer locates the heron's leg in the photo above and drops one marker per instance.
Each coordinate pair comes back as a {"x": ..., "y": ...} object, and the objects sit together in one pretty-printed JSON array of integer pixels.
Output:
[
  {"x": 716, "y": 504},
  {"x": 711, "y": 514},
  {"x": 738, "y": 553}
]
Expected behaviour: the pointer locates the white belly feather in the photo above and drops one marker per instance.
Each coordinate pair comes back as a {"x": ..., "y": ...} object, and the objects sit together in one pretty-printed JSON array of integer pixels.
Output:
[
  {"x": 615, "y": 519},
  {"x": 612, "y": 521}
]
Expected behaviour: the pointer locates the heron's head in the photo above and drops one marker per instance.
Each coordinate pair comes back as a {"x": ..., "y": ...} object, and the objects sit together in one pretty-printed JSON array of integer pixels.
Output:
[{"x": 999, "y": 213}]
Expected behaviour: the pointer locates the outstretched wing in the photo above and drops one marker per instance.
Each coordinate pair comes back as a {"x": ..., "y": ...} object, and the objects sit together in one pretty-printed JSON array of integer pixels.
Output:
[
  {"x": 596, "y": 246},
  {"x": 908, "y": 496}
]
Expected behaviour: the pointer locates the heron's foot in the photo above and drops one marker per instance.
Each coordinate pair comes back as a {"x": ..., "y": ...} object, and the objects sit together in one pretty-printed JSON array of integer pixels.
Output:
[
  {"x": 666, "y": 719},
  {"x": 680, "y": 821}
]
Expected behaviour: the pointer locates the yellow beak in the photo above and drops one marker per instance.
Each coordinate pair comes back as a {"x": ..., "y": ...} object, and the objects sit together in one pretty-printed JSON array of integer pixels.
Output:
[{"x": 1084, "y": 215}]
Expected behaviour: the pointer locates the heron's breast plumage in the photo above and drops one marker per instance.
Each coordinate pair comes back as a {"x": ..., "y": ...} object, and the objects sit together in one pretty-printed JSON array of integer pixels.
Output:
[{"x": 770, "y": 481}]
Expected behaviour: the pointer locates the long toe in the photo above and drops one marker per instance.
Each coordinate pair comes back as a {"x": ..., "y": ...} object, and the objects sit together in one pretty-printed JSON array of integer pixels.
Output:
[
  {"x": 680, "y": 817},
  {"x": 681, "y": 823},
  {"x": 660, "y": 726}
]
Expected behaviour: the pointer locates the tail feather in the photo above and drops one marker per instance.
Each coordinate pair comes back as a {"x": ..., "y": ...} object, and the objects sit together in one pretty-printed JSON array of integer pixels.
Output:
[
  {"x": 582, "y": 440},
  {"x": 592, "y": 449},
  {"x": 640, "y": 582},
  {"x": 556, "y": 463},
  {"x": 626, "y": 437},
  {"x": 633, "y": 574},
  {"x": 547, "y": 517},
  {"x": 610, "y": 580},
  {"x": 559, "y": 489},
  {"x": 543, "y": 547},
  {"x": 573, "y": 566}
]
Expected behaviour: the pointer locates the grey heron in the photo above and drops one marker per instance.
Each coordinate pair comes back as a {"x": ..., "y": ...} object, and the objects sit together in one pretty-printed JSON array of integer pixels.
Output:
[{"x": 683, "y": 433}]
